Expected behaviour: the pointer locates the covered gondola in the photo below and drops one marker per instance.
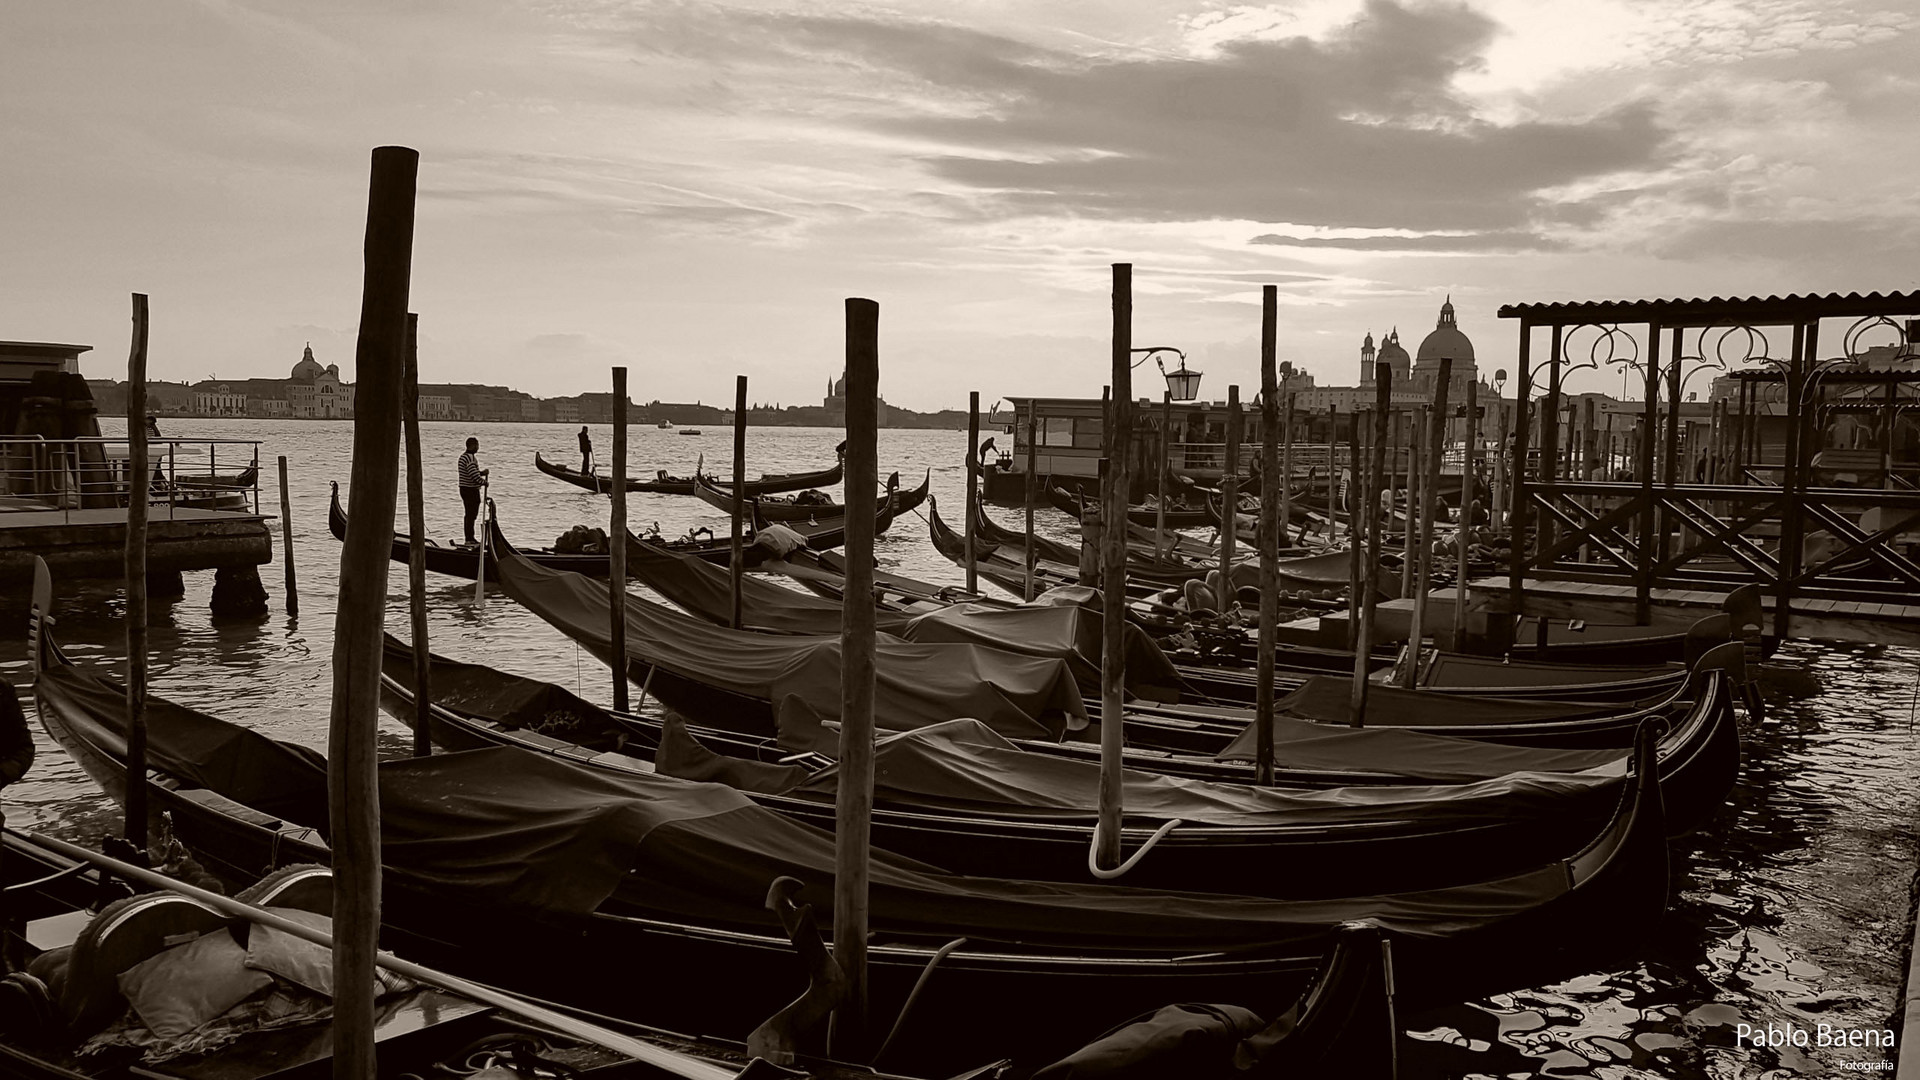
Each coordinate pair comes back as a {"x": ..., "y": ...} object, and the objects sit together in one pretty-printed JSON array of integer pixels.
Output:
[
  {"x": 980, "y": 804},
  {"x": 801, "y": 509},
  {"x": 540, "y": 871},
  {"x": 664, "y": 484},
  {"x": 1176, "y": 515}
]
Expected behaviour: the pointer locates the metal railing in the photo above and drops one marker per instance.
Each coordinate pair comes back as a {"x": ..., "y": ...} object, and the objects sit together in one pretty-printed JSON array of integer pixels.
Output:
[{"x": 39, "y": 474}]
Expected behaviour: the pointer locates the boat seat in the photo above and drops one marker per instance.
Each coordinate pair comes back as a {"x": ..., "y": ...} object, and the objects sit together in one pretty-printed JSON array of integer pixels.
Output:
[{"x": 85, "y": 978}]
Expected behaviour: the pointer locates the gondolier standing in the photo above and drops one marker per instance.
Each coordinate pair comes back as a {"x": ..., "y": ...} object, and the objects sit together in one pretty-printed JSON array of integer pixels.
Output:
[
  {"x": 586, "y": 450},
  {"x": 472, "y": 479}
]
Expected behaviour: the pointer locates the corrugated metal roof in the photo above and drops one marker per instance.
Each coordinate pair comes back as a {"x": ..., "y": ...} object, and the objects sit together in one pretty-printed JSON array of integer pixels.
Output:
[{"x": 1708, "y": 311}]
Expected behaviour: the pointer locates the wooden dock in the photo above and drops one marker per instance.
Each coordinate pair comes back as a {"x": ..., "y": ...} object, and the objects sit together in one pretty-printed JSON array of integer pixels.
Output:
[
  {"x": 1820, "y": 619},
  {"x": 91, "y": 542}
]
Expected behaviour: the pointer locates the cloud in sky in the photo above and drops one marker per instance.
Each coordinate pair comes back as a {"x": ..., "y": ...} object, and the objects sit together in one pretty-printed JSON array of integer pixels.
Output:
[{"x": 702, "y": 182}]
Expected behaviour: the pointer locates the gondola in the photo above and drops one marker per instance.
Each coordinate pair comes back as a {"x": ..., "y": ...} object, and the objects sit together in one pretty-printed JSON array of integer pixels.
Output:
[
  {"x": 583, "y": 871},
  {"x": 1144, "y": 576},
  {"x": 979, "y": 804},
  {"x": 756, "y": 678},
  {"x": 464, "y": 562},
  {"x": 1175, "y": 517},
  {"x": 661, "y": 483},
  {"x": 787, "y": 511},
  {"x": 84, "y": 928}
]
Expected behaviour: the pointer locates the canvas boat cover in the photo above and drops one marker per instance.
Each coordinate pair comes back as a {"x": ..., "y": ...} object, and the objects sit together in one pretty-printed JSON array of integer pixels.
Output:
[
  {"x": 1458, "y": 670},
  {"x": 1068, "y": 630},
  {"x": 963, "y": 766},
  {"x": 914, "y": 685},
  {"x": 1328, "y": 698},
  {"x": 544, "y": 835},
  {"x": 1306, "y": 744}
]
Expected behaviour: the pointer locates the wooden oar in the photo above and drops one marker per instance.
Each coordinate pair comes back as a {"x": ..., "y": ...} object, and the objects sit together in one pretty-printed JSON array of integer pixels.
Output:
[{"x": 660, "y": 1057}]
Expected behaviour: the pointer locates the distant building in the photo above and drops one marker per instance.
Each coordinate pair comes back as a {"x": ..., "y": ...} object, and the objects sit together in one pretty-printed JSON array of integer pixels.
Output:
[
  {"x": 836, "y": 402},
  {"x": 436, "y": 407},
  {"x": 219, "y": 400},
  {"x": 315, "y": 392}
]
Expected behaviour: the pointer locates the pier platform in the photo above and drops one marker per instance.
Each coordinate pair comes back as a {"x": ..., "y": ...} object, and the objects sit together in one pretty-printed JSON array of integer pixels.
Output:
[
  {"x": 1605, "y": 604},
  {"x": 92, "y": 542}
]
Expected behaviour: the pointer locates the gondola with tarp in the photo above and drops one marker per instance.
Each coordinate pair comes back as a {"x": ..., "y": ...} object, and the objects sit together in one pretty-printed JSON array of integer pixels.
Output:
[
  {"x": 801, "y": 508},
  {"x": 536, "y": 870}
]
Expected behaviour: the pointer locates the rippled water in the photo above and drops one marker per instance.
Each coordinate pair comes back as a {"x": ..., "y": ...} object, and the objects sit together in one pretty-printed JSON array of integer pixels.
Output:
[{"x": 1791, "y": 908}]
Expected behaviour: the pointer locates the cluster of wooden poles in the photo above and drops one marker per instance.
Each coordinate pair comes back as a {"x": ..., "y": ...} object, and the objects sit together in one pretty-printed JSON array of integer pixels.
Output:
[{"x": 386, "y": 405}]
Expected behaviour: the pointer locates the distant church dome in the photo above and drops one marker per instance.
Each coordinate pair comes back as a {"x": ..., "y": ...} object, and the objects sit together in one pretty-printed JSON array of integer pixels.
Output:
[
  {"x": 1391, "y": 349},
  {"x": 1446, "y": 340},
  {"x": 308, "y": 368}
]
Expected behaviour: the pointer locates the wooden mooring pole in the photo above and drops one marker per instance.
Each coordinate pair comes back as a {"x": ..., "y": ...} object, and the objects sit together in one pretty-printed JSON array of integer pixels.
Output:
[
  {"x": 417, "y": 541},
  {"x": 1032, "y": 493},
  {"x": 1270, "y": 533},
  {"x": 973, "y": 489},
  {"x": 353, "y": 793},
  {"x": 1166, "y": 465},
  {"x": 854, "y": 805},
  {"x": 138, "y": 478},
  {"x": 1363, "y": 631},
  {"x": 1429, "y": 501},
  {"x": 617, "y": 544},
  {"x": 1362, "y": 507},
  {"x": 1113, "y": 574},
  {"x": 286, "y": 542},
  {"x": 1286, "y": 460},
  {"x": 737, "y": 565},
  {"x": 1469, "y": 498},
  {"x": 1230, "y": 494}
]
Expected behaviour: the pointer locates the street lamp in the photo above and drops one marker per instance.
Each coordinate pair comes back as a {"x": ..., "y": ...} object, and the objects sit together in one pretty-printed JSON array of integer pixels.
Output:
[{"x": 1183, "y": 383}]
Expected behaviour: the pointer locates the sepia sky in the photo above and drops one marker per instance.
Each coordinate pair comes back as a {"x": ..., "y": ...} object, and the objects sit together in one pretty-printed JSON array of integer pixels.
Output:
[{"x": 692, "y": 188}]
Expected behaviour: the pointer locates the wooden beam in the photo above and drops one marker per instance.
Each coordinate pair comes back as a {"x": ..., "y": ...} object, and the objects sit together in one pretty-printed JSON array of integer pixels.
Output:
[{"x": 138, "y": 476}]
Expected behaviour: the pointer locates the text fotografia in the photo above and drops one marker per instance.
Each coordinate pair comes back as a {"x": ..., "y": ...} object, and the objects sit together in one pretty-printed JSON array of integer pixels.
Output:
[{"x": 1775, "y": 1035}]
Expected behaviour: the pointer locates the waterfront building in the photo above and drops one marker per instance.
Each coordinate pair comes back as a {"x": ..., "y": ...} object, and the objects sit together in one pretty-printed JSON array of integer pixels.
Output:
[{"x": 316, "y": 392}]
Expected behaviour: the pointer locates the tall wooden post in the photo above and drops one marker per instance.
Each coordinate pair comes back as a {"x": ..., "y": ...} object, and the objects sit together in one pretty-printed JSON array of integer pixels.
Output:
[
  {"x": 1230, "y": 496},
  {"x": 352, "y": 788},
  {"x": 1113, "y": 574},
  {"x": 617, "y": 544},
  {"x": 1362, "y": 520},
  {"x": 139, "y": 475},
  {"x": 1166, "y": 465},
  {"x": 1333, "y": 453},
  {"x": 1429, "y": 500},
  {"x": 973, "y": 489},
  {"x": 1363, "y": 631},
  {"x": 1517, "y": 475},
  {"x": 286, "y": 542},
  {"x": 1643, "y": 573},
  {"x": 1469, "y": 498},
  {"x": 1286, "y": 465},
  {"x": 1496, "y": 514},
  {"x": 854, "y": 801},
  {"x": 417, "y": 540},
  {"x": 737, "y": 565},
  {"x": 1032, "y": 495},
  {"x": 1416, "y": 480},
  {"x": 1270, "y": 483}
]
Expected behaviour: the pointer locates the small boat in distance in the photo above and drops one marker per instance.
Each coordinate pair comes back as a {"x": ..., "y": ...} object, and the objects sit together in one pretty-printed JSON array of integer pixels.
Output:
[
  {"x": 664, "y": 424},
  {"x": 689, "y": 431}
]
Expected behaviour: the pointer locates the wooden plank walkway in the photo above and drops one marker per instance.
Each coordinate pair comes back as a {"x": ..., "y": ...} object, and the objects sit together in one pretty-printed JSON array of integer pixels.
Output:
[{"x": 1829, "y": 620}]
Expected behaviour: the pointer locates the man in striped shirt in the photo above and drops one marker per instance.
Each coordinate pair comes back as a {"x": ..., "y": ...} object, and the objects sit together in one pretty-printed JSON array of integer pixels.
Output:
[{"x": 472, "y": 479}]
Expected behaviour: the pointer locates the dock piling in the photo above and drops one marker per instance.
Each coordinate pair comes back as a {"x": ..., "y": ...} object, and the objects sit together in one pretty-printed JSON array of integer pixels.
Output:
[
  {"x": 417, "y": 541},
  {"x": 1363, "y": 632},
  {"x": 854, "y": 801},
  {"x": 1230, "y": 499},
  {"x": 737, "y": 564},
  {"x": 973, "y": 490},
  {"x": 1032, "y": 492},
  {"x": 353, "y": 794},
  {"x": 1436, "y": 449},
  {"x": 1270, "y": 534},
  {"x": 137, "y": 489},
  {"x": 286, "y": 542},
  {"x": 617, "y": 544},
  {"x": 1113, "y": 576}
]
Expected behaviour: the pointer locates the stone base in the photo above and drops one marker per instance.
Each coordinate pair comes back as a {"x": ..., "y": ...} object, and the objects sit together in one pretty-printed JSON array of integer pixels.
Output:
[{"x": 238, "y": 594}]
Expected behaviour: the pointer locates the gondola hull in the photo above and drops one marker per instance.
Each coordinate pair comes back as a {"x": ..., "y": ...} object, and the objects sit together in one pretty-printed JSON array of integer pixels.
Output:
[{"x": 768, "y": 484}]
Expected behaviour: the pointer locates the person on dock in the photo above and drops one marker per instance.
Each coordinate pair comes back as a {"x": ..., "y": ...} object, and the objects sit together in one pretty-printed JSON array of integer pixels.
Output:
[
  {"x": 472, "y": 479},
  {"x": 586, "y": 451}
]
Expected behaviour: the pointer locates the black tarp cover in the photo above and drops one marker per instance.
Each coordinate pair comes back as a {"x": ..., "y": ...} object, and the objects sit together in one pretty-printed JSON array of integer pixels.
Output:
[
  {"x": 513, "y": 700},
  {"x": 964, "y": 766},
  {"x": 541, "y": 834},
  {"x": 1328, "y": 698},
  {"x": 1063, "y": 627},
  {"x": 1304, "y": 744},
  {"x": 914, "y": 685}
]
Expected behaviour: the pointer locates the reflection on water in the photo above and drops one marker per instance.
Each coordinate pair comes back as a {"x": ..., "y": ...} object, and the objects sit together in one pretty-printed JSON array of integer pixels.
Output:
[{"x": 1791, "y": 905}]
